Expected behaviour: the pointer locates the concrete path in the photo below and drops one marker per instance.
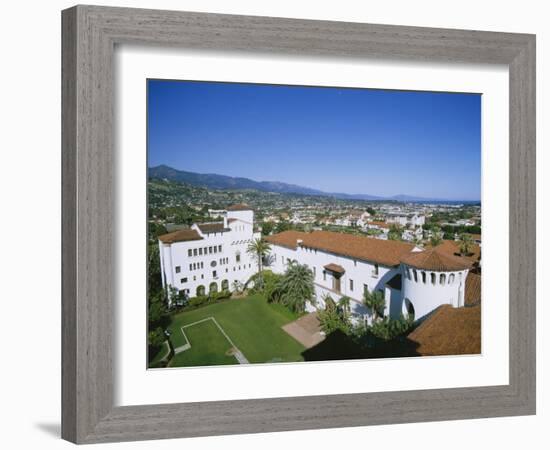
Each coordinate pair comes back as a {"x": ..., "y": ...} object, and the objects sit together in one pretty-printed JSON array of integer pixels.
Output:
[{"x": 306, "y": 330}]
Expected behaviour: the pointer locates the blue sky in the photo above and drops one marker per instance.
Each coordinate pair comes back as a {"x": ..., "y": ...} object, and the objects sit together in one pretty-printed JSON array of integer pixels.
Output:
[{"x": 356, "y": 141}]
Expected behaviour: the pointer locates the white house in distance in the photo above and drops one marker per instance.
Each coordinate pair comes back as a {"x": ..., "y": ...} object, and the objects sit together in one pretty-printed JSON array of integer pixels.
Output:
[
  {"x": 209, "y": 257},
  {"x": 414, "y": 281}
]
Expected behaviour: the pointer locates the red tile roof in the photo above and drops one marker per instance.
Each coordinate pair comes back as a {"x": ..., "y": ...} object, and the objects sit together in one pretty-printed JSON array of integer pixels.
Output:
[
  {"x": 364, "y": 248},
  {"x": 180, "y": 236},
  {"x": 453, "y": 248},
  {"x": 434, "y": 259},
  {"x": 449, "y": 331},
  {"x": 215, "y": 227},
  {"x": 335, "y": 268},
  {"x": 239, "y": 207},
  {"x": 472, "y": 294},
  {"x": 286, "y": 238}
]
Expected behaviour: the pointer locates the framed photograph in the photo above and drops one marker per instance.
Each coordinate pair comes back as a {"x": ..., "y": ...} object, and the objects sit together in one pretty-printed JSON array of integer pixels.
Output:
[{"x": 278, "y": 224}]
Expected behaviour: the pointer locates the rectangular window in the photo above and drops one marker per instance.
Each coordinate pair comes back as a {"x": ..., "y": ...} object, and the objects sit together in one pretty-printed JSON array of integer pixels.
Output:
[
  {"x": 314, "y": 272},
  {"x": 324, "y": 275},
  {"x": 365, "y": 289},
  {"x": 206, "y": 250},
  {"x": 189, "y": 252},
  {"x": 351, "y": 285},
  {"x": 178, "y": 269},
  {"x": 238, "y": 257},
  {"x": 375, "y": 272},
  {"x": 194, "y": 278},
  {"x": 220, "y": 248},
  {"x": 215, "y": 249},
  {"x": 200, "y": 251},
  {"x": 190, "y": 266},
  {"x": 195, "y": 253},
  {"x": 202, "y": 265},
  {"x": 209, "y": 250},
  {"x": 183, "y": 280},
  {"x": 214, "y": 274}
]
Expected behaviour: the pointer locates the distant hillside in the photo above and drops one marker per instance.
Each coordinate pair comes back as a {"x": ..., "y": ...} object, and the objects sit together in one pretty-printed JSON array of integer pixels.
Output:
[{"x": 215, "y": 181}]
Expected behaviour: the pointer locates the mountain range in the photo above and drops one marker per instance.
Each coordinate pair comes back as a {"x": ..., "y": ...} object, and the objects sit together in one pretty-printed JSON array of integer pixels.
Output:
[{"x": 215, "y": 181}]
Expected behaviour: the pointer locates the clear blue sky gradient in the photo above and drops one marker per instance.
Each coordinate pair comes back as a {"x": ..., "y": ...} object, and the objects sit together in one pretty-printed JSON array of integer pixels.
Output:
[{"x": 356, "y": 141}]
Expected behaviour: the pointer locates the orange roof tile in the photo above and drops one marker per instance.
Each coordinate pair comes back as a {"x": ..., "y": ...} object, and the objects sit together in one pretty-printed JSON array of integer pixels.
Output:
[
  {"x": 472, "y": 293},
  {"x": 239, "y": 207},
  {"x": 384, "y": 252},
  {"x": 335, "y": 268},
  {"x": 286, "y": 238},
  {"x": 449, "y": 331},
  {"x": 433, "y": 259},
  {"x": 453, "y": 248},
  {"x": 180, "y": 236}
]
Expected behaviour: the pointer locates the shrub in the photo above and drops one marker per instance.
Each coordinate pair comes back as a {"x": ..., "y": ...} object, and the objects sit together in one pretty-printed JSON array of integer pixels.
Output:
[
  {"x": 388, "y": 329},
  {"x": 332, "y": 320},
  {"x": 198, "y": 301}
]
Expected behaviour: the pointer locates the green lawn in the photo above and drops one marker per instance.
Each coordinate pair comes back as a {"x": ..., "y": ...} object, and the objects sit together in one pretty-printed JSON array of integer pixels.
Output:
[
  {"x": 251, "y": 323},
  {"x": 208, "y": 347}
]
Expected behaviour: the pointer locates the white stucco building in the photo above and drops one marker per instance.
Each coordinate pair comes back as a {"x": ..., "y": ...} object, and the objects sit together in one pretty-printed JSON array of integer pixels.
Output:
[
  {"x": 414, "y": 281},
  {"x": 209, "y": 257}
]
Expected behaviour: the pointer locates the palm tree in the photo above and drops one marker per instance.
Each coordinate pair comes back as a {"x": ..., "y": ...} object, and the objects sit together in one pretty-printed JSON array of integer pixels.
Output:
[
  {"x": 375, "y": 302},
  {"x": 345, "y": 304},
  {"x": 435, "y": 240},
  {"x": 259, "y": 249},
  {"x": 466, "y": 243},
  {"x": 296, "y": 287}
]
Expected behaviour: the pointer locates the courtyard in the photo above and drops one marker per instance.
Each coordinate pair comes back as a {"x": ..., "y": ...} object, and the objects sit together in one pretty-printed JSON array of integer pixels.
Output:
[{"x": 235, "y": 331}]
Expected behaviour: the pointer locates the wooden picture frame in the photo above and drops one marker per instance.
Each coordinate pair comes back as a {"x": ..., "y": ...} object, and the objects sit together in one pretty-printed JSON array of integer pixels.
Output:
[{"x": 90, "y": 34}]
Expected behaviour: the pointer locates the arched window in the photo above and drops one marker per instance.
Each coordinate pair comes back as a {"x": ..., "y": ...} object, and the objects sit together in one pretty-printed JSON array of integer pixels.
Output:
[
  {"x": 442, "y": 278},
  {"x": 200, "y": 290},
  {"x": 408, "y": 273},
  {"x": 415, "y": 273},
  {"x": 460, "y": 276},
  {"x": 432, "y": 276},
  {"x": 225, "y": 285},
  {"x": 423, "y": 277},
  {"x": 451, "y": 278},
  {"x": 213, "y": 288}
]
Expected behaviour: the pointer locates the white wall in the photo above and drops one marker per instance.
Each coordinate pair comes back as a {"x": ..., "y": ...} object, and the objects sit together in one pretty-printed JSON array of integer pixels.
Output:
[
  {"x": 426, "y": 296},
  {"x": 30, "y": 388}
]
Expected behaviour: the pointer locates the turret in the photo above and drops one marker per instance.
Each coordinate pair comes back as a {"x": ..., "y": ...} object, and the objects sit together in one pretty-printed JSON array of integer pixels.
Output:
[{"x": 432, "y": 278}]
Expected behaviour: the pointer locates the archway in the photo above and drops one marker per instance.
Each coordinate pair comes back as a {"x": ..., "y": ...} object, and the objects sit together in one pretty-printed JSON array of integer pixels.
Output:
[
  {"x": 200, "y": 290},
  {"x": 213, "y": 288},
  {"x": 409, "y": 308}
]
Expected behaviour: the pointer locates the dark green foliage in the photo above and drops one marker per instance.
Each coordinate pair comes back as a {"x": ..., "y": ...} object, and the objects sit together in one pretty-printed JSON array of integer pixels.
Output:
[
  {"x": 395, "y": 233},
  {"x": 295, "y": 288},
  {"x": 154, "y": 280},
  {"x": 375, "y": 302},
  {"x": 435, "y": 239},
  {"x": 259, "y": 249},
  {"x": 335, "y": 317},
  {"x": 388, "y": 329},
  {"x": 267, "y": 228}
]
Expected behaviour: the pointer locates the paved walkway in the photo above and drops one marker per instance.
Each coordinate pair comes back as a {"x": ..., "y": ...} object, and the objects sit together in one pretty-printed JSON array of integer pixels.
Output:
[{"x": 306, "y": 330}]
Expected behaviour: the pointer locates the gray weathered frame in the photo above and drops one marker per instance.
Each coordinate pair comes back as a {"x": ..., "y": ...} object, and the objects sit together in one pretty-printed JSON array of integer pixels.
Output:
[{"x": 89, "y": 36}]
